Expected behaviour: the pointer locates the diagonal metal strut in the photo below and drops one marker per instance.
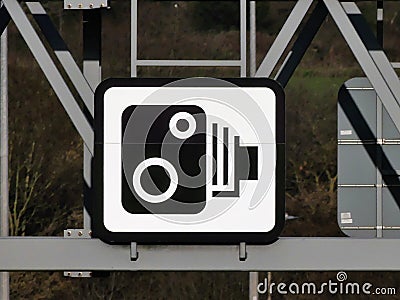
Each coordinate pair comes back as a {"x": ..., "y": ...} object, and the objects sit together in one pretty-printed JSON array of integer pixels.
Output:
[
  {"x": 282, "y": 40},
  {"x": 50, "y": 70},
  {"x": 62, "y": 53},
  {"x": 369, "y": 54}
]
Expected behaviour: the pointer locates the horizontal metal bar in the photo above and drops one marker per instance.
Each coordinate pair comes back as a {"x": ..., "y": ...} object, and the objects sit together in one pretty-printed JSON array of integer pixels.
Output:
[
  {"x": 357, "y": 142},
  {"x": 369, "y": 142},
  {"x": 189, "y": 63},
  {"x": 359, "y": 88},
  {"x": 395, "y": 65},
  {"x": 356, "y": 185},
  {"x": 287, "y": 254},
  {"x": 358, "y": 227}
]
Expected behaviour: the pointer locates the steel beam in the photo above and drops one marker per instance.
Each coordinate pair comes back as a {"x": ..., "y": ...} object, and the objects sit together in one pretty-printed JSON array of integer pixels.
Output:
[
  {"x": 368, "y": 53},
  {"x": 92, "y": 48},
  {"x": 62, "y": 53},
  {"x": 50, "y": 70},
  {"x": 92, "y": 72},
  {"x": 287, "y": 254},
  {"x": 243, "y": 35},
  {"x": 253, "y": 38},
  {"x": 134, "y": 28},
  {"x": 189, "y": 63},
  {"x": 301, "y": 44},
  {"x": 283, "y": 38},
  {"x": 4, "y": 192}
]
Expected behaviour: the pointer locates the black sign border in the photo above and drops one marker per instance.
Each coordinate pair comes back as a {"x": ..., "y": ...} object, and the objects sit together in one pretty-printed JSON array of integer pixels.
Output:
[{"x": 223, "y": 238}]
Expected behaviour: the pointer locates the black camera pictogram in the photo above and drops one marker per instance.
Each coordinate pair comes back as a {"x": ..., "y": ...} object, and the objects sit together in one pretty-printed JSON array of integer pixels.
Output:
[{"x": 164, "y": 159}]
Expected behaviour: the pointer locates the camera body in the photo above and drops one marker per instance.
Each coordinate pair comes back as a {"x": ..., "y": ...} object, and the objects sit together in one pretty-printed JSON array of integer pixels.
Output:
[
  {"x": 164, "y": 150},
  {"x": 190, "y": 161}
]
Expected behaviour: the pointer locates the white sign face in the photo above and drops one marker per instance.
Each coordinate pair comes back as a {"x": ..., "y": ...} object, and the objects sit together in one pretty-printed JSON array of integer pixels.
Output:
[{"x": 197, "y": 160}]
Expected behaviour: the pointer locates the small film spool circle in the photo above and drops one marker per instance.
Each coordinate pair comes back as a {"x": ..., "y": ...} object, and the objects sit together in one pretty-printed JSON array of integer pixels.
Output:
[{"x": 177, "y": 131}]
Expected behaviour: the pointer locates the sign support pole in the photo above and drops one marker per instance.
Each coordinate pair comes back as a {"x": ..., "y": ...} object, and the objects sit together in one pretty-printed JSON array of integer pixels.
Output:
[{"x": 4, "y": 276}]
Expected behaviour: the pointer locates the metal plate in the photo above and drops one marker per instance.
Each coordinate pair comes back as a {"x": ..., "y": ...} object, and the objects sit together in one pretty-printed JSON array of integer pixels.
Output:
[
  {"x": 355, "y": 165},
  {"x": 365, "y": 100},
  {"x": 357, "y": 207},
  {"x": 389, "y": 130},
  {"x": 391, "y": 210},
  {"x": 85, "y": 4},
  {"x": 368, "y": 164}
]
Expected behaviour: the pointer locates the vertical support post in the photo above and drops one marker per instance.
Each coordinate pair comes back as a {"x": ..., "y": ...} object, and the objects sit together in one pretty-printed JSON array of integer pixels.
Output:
[
  {"x": 134, "y": 15},
  {"x": 92, "y": 47},
  {"x": 242, "y": 38},
  {"x": 92, "y": 73},
  {"x": 4, "y": 276},
  {"x": 253, "y": 283},
  {"x": 253, "y": 51},
  {"x": 379, "y": 179},
  {"x": 379, "y": 22},
  {"x": 253, "y": 276}
]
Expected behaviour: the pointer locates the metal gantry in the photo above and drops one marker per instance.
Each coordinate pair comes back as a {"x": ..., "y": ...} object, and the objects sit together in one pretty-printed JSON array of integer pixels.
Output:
[{"x": 73, "y": 252}]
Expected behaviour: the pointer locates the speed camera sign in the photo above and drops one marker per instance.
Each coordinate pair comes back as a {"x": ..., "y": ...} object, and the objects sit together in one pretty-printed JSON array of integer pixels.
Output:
[{"x": 197, "y": 160}]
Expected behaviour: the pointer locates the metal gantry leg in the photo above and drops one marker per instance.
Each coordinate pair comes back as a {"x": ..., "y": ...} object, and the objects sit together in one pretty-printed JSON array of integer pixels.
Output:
[
  {"x": 134, "y": 16},
  {"x": 301, "y": 44},
  {"x": 50, "y": 70},
  {"x": 283, "y": 38},
  {"x": 252, "y": 42},
  {"x": 369, "y": 54},
  {"x": 92, "y": 72},
  {"x": 62, "y": 53},
  {"x": 243, "y": 35},
  {"x": 4, "y": 210}
]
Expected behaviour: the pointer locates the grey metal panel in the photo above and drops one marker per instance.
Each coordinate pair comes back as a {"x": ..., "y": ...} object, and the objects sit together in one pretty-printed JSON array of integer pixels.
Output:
[
  {"x": 392, "y": 166},
  {"x": 391, "y": 233},
  {"x": 359, "y": 233},
  {"x": 390, "y": 132},
  {"x": 365, "y": 100},
  {"x": 391, "y": 209},
  {"x": 287, "y": 254},
  {"x": 284, "y": 36},
  {"x": 360, "y": 203},
  {"x": 355, "y": 165},
  {"x": 358, "y": 83}
]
